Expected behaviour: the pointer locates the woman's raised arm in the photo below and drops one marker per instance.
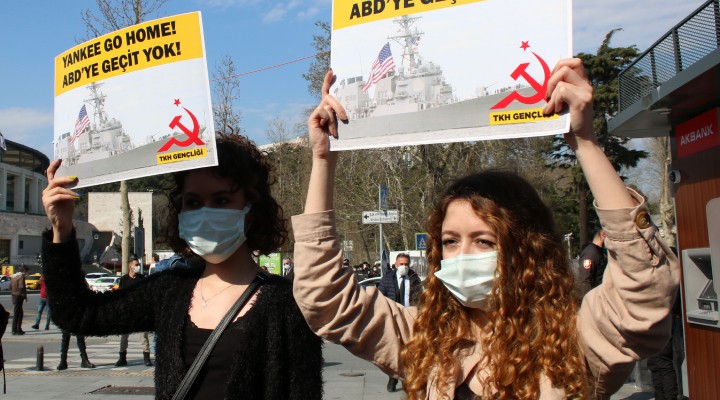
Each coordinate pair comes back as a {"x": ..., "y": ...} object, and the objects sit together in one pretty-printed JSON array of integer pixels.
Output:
[
  {"x": 570, "y": 86},
  {"x": 58, "y": 202},
  {"x": 323, "y": 122}
]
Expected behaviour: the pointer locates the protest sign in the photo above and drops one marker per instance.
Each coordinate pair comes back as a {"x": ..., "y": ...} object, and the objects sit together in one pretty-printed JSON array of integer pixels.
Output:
[
  {"x": 424, "y": 71},
  {"x": 135, "y": 102}
]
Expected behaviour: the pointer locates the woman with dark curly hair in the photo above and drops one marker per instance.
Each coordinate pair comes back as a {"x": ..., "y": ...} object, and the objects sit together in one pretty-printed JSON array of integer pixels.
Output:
[
  {"x": 498, "y": 317},
  {"x": 222, "y": 216}
]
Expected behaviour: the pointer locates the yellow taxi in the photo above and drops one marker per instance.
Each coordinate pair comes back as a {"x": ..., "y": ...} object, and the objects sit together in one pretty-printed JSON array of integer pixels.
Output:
[{"x": 33, "y": 281}]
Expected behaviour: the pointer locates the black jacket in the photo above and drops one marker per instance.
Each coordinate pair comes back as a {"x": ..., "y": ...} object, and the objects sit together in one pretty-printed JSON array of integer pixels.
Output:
[
  {"x": 279, "y": 357},
  {"x": 388, "y": 285},
  {"x": 592, "y": 267}
]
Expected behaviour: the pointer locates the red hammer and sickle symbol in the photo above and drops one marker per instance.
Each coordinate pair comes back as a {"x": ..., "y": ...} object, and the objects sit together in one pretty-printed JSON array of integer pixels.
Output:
[
  {"x": 192, "y": 135},
  {"x": 521, "y": 70}
]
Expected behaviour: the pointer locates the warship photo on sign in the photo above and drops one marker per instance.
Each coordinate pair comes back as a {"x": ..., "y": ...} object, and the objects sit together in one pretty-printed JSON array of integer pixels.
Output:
[{"x": 437, "y": 77}]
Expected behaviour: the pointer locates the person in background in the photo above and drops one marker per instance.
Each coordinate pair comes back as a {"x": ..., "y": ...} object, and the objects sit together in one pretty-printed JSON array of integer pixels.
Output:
[
  {"x": 174, "y": 261},
  {"x": 403, "y": 286},
  {"x": 662, "y": 364},
  {"x": 64, "y": 347},
  {"x": 219, "y": 218},
  {"x": 592, "y": 263},
  {"x": 288, "y": 272},
  {"x": 18, "y": 291},
  {"x": 42, "y": 305},
  {"x": 499, "y": 317},
  {"x": 126, "y": 281},
  {"x": 665, "y": 367},
  {"x": 4, "y": 318}
]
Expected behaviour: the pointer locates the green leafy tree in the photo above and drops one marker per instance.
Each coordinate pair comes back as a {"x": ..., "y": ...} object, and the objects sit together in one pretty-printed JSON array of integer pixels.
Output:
[{"x": 603, "y": 69}]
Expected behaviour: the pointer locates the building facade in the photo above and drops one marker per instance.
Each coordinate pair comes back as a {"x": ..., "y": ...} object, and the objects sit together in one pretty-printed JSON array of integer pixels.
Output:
[{"x": 22, "y": 217}]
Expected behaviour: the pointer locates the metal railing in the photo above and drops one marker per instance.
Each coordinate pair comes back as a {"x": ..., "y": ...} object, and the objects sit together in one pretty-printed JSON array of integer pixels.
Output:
[{"x": 689, "y": 41}]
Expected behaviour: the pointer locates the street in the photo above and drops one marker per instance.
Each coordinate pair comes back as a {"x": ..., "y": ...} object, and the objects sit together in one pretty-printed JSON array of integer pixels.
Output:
[{"x": 345, "y": 376}]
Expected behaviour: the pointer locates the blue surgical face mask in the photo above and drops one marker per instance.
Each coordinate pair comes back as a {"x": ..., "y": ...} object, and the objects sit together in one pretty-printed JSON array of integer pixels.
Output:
[
  {"x": 470, "y": 278},
  {"x": 213, "y": 233}
]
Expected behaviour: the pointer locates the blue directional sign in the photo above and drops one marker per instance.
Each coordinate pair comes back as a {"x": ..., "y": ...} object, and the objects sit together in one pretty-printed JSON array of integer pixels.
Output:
[
  {"x": 383, "y": 197},
  {"x": 421, "y": 239}
]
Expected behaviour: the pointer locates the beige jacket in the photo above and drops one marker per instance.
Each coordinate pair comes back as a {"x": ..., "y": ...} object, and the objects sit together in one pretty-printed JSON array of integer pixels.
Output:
[{"x": 625, "y": 319}]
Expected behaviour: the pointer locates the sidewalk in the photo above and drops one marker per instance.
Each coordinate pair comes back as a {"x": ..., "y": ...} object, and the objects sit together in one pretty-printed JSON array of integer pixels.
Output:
[{"x": 346, "y": 377}]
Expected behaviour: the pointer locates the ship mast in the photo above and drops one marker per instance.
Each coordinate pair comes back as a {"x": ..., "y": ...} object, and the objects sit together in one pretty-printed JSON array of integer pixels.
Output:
[
  {"x": 97, "y": 100},
  {"x": 408, "y": 39}
]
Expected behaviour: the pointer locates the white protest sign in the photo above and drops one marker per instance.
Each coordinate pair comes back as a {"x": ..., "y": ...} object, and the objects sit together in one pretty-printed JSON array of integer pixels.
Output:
[
  {"x": 413, "y": 72},
  {"x": 135, "y": 102}
]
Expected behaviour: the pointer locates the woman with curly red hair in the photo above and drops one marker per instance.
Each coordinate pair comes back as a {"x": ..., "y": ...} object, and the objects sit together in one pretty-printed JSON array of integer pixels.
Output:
[{"x": 499, "y": 317}]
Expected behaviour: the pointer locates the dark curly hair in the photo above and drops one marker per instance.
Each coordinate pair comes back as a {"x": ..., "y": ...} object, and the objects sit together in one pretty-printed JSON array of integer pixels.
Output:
[
  {"x": 531, "y": 327},
  {"x": 249, "y": 169}
]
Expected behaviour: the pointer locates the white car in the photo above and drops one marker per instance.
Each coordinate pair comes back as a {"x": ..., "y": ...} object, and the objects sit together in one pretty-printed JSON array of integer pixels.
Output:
[
  {"x": 371, "y": 282},
  {"x": 93, "y": 276},
  {"x": 4, "y": 282},
  {"x": 105, "y": 284}
]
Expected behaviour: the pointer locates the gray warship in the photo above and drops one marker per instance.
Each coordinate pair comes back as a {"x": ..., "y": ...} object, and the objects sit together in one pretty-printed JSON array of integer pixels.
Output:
[
  {"x": 414, "y": 99},
  {"x": 103, "y": 138},
  {"x": 104, "y": 152},
  {"x": 412, "y": 86}
]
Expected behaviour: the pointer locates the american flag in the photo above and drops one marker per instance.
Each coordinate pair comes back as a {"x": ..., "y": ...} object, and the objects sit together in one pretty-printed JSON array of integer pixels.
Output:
[
  {"x": 383, "y": 64},
  {"x": 83, "y": 121}
]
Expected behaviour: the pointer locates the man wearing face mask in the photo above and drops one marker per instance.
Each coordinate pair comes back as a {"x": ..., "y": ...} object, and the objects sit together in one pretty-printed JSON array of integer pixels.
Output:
[
  {"x": 127, "y": 280},
  {"x": 288, "y": 272},
  {"x": 403, "y": 286}
]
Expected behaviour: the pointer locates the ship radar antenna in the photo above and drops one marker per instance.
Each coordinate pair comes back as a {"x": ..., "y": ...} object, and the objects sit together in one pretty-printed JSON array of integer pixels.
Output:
[
  {"x": 97, "y": 100},
  {"x": 408, "y": 38}
]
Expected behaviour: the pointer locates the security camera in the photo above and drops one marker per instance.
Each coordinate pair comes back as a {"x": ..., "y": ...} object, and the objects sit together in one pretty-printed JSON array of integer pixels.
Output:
[{"x": 674, "y": 176}]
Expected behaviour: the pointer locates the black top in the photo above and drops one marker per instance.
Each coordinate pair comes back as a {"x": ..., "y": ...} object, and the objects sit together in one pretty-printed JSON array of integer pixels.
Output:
[
  {"x": 127, "y": 281},
  {"x": 277, "y": 356},
  {"x": 213, "y": 377}
]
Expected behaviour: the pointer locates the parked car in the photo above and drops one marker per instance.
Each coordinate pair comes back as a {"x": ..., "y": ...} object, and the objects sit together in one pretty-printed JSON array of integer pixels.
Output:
[
  {"x": 4, "y": 282},
  {"x": 105, "y": 284},
  {"x": 91, "y": 277},
  {"x": 32, "y": 282},
  {"x": 371, "y": 282}
]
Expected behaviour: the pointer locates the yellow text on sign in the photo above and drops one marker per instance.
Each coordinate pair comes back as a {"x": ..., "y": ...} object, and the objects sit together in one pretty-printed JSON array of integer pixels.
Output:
[
  {"x": 141, "y": 46},
  {"x": 355, "y": 12},
  {"x": 520, "y": 116},
  {"x": 182, "y": 155}
]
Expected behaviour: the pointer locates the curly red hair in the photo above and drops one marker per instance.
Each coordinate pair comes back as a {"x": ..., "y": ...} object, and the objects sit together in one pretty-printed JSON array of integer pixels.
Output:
[{"x": 531, "y": 318}]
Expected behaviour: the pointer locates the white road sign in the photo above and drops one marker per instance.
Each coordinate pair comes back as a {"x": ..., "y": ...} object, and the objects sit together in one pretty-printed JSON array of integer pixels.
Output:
[{"x": 380, "y": 217}]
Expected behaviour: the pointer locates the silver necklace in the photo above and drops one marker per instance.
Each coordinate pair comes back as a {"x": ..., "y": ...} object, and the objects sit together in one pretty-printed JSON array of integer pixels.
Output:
[{"x": 204, "y": 300}]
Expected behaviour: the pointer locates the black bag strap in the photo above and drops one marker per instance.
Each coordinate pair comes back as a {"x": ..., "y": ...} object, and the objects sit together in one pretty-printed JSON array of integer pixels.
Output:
[{"x": 202, "y": 356}]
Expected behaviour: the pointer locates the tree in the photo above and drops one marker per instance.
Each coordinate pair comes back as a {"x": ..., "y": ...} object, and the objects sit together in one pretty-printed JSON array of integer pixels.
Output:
[
  {"x": 319, "y": 67},
  {"x": 603, "y": 69},
  {"x": 226, "y": 91},
  {"x": 658, "y": 165},
  {"x": 114, "y": 15},
  {"x": 118, "y": 14}
]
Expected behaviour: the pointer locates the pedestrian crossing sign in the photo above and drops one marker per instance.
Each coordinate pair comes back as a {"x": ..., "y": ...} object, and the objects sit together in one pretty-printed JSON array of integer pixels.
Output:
[{"x": 421, "y": 240}]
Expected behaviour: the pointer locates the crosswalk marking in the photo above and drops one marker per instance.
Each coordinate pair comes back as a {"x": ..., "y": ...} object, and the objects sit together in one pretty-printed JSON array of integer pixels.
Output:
[{"x": 103, "y": 355}]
